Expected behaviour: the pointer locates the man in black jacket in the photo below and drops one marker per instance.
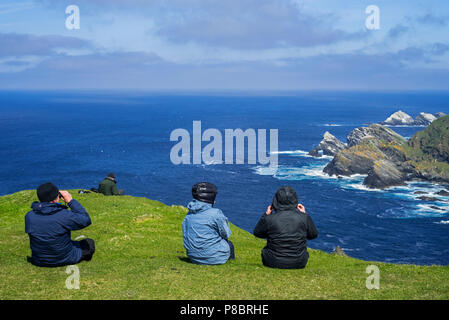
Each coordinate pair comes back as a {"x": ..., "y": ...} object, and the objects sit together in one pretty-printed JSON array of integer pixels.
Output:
[{"x": 287, "y": 230}]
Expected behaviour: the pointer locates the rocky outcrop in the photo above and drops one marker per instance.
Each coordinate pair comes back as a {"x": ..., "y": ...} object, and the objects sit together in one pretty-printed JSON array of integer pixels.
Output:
[
  {"x": 389, "y": 160},
  {"x": 373, "y": 131},
  {"x": 430, "y": 199},
  {"x": 329, "y": 146},
  {"x": 366, "y": 146},
  {"x": 424, "y": 119},
  {"x": 443, "y": 193},
  {"x": 358, "y": 159},
  {"x": 384, "y": 174},
  {"x": 399, "y": 118}
]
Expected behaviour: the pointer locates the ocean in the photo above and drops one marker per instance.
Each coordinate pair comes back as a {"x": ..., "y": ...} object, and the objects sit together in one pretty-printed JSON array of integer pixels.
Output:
[{"x": 75, "y": 138}]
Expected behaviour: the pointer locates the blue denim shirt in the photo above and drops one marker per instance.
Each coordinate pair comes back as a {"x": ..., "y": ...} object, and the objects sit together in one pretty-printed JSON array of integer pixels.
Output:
[{"x": 205, "y": 230}]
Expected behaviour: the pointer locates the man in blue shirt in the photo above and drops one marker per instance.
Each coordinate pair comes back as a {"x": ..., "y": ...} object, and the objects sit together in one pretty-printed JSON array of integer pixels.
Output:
[
  {"x": 49, "y": 227},
  {"x": 205, "y": 229}
]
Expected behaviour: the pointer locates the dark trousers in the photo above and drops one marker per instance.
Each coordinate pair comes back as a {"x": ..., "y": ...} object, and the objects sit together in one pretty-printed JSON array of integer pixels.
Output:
[
  {"x": 270, "y": 260},
  {"x": 232, "y": 252},
  {"x": 88, "y": 249}
]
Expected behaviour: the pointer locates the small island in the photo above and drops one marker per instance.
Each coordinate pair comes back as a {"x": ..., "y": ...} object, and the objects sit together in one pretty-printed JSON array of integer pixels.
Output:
[{"x": 401, "y": 118}]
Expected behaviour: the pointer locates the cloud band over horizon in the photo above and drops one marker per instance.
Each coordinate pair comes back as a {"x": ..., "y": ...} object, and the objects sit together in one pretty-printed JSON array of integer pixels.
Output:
[{"x": 223, "y": 45}]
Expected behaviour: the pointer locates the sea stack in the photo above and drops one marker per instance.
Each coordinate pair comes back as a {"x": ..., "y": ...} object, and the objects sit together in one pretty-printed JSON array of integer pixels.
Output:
[
  {"x": 399, "y": 118},
  {"x": 424, "y": 119},
  {"x": 330, "y": 146}
]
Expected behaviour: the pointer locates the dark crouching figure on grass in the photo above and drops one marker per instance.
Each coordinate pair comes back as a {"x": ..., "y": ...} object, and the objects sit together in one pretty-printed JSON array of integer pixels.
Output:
[
  {"x": 287, "y": 227},
  {"x": 49, "y": 227},
  {"x": 205, "y": 229},
  {"x": 108, "y": 186}
]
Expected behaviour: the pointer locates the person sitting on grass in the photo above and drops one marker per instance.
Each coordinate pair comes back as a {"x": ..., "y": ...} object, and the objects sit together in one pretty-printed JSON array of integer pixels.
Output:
[
  {"x": 287, "y": 227},
  {"x": 49, "y": 227},
  {"x": 108, "y": 186},
  {"x": 205, "y": 229}
]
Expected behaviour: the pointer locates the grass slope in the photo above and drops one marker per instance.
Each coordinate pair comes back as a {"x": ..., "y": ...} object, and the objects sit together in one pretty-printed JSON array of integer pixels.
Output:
[
  {"x": 140, "y": 255},
  {"x": 432, "y": 143}
]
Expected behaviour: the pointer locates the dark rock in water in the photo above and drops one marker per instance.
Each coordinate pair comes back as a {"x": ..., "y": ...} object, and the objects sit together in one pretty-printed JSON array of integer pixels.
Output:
[
  {"x": 339, "y": 252},
  {"x": 349, "y": 162},
  {"x": 330, "y": 146},
  {"x": 419, "y": 192},
  {"x": 384, "y": 174},
  {"x": 431, "y": 199},
  {"x": 443, "y": 193},
  {"x": 365, "y": 146},
  {"x": 315, "y": 153}
]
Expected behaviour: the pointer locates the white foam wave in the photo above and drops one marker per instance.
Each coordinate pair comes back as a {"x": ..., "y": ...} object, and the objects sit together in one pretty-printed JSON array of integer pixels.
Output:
[
  {"x": 443, "y": 222},
  {"x": 299, "y": 152},
  {"x": 416, "y": 209},
  {"x": 438, "y": 210},
  {"x": 265, "y": 171},
  {"x": 302, "y": 153},
  {"x": 301, "y": 173},
  {"x": 360, "y": 186}
]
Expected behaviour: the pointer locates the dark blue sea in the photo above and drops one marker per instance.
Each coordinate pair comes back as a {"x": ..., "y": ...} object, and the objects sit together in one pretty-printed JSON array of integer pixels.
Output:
[{"x": 75, "y": 138}]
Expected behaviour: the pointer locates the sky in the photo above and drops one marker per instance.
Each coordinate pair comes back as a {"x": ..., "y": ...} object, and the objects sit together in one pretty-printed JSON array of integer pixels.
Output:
[{"x": 262, "y": 45}]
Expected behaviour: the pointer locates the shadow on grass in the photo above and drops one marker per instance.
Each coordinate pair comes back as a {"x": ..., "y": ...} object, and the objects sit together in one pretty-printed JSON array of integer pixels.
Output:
[{"x": 185, "y": 259}]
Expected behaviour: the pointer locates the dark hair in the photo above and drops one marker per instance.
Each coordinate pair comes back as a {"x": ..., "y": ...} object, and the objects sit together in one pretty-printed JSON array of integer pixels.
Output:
[{"x": 47, "y": 192}]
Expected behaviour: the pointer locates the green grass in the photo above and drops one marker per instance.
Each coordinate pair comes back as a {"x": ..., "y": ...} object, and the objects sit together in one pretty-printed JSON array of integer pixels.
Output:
[
  {"x": 431, "y": 143},
  {"x": 140, "y": 255}
]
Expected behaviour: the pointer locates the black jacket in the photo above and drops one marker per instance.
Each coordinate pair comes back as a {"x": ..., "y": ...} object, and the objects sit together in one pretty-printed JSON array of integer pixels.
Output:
[{"x": 287, "y": 231}]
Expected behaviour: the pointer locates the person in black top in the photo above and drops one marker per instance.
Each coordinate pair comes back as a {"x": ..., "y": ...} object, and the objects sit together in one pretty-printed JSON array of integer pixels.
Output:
[{"x": 287, "y": 227}]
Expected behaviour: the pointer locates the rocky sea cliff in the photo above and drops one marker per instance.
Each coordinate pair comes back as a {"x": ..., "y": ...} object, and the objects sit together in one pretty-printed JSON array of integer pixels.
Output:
[{"x": 386, "y": 158}]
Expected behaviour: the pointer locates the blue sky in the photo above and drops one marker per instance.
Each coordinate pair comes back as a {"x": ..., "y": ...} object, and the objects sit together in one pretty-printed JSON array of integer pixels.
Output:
[{"x": 224, "y": 45}]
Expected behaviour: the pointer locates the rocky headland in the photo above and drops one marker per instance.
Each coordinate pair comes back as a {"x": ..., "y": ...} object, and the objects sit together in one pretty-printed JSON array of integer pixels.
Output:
[{"x": 386, "y": 158}]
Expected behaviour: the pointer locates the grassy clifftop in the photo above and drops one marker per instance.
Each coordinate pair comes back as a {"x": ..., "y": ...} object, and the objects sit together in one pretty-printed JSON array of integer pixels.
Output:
[
  {"x": 140, "y": 255},
  {"x": 428, "y": 151},
  {"x": 432, "y": 143}
]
